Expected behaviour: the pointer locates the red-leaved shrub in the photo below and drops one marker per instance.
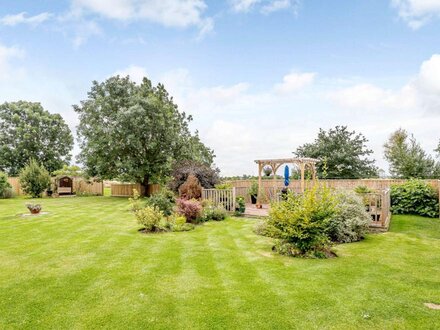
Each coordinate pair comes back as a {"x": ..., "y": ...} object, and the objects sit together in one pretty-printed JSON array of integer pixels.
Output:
[{"x": 190, "y": 209}]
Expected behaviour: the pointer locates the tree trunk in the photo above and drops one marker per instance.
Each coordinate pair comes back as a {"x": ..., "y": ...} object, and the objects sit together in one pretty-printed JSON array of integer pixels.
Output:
[{"x": 144, "y": 184}]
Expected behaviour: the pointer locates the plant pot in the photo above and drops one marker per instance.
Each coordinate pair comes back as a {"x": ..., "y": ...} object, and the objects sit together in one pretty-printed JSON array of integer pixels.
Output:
[
  {"x": 49, "y": 193},
  {"x": 35, "y": 211},
  {"x": 253, "y": 199}
]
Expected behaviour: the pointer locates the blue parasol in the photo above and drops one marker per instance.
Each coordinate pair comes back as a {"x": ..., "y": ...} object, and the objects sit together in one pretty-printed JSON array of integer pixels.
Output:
[{"x": 286, "y": 176}]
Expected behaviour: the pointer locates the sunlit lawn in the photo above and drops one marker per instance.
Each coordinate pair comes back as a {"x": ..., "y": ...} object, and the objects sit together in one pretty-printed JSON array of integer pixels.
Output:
[{"x": 85, "y": 265}]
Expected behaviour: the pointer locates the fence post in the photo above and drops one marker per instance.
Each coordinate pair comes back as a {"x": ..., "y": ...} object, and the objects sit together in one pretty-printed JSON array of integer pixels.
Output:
[{"x": 233, "y": 199}]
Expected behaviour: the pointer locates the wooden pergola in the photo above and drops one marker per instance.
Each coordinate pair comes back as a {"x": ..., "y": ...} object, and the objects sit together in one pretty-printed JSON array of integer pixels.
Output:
[{"x": 275, "y": 164}]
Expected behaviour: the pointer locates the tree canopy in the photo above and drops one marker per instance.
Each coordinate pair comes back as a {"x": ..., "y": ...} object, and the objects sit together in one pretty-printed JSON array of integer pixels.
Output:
[
  {"x": 343, "y": 154},
  {"x": 407, "y": 158},
  {"x": 134, "y": 132},
  {"x": 27, "y": 131}
]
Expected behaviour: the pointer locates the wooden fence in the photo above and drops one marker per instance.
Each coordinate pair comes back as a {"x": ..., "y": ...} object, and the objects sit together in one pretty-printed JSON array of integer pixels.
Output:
[
  {"x": 221, "y": 197},
  {"x": 271, "y": 188},
  {"x": 79, "y": 186},
  {"x": 126, "y": 189}
]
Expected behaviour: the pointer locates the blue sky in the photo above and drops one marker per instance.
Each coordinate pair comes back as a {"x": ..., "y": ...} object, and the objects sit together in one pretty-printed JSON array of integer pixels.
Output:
[{"x": 259, "y": 76}]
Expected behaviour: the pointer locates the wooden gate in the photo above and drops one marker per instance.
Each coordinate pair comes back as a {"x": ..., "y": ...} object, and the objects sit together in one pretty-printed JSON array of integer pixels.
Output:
[{"x": 221, "y": 197}]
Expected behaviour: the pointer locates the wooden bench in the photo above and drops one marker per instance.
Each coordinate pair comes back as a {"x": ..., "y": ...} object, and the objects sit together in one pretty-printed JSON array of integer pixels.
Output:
[{"x": 64, "y": 190}]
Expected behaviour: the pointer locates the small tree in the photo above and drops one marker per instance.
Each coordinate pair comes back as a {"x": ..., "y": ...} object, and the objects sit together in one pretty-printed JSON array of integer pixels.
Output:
[
  {"x": 407, "y": 158},
  {"x": 191, "y": 188},
  {"x": 34, "y": 179},
  {"x": 4, "y": 184}
]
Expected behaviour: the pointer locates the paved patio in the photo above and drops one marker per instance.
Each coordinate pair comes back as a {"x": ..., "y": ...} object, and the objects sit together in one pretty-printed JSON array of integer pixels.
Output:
[{"x": 252, "y": 211}]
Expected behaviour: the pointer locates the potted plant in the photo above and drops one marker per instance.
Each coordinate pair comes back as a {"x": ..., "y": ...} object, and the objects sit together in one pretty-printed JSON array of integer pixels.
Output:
[
  {"x": 253, "y": 192},
  {"x": 267, "y": 170},
  {"x": 34, "y": 208}
]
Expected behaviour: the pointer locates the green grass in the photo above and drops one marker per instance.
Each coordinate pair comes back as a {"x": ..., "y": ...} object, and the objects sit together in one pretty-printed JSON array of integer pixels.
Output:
[{"x": 86, "y": 266}]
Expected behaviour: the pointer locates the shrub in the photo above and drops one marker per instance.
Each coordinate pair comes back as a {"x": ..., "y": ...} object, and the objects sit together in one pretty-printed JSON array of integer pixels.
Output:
[
  {"x": 414, "y": 197},
  {"x": 191, "y": 188},
  {"x": 240, "y": 206},
  {"x": 190, "y": 209},
  {"x": 253, "y": 189},
  {"x": 207, "y": 175},
  {"x": 34, "y": 179},
  {"x": 5, "y": 187},
  {"x": 177, "y": 222},
  {"x": 362, "y": 190},
  {"x": 212, "y": 212},
  {"x": 300, "y": 222},
  {"x": 350, "y": 222},
  {"x": 135, "y": 201},
  {"x": 223, "y": 186},
  {"x": 150, "y": 218},
  {"x": 164, "y": 200}
]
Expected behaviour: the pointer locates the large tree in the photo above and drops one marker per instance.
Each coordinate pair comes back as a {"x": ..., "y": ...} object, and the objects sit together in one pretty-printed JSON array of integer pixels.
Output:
[
  {"x": 407, "y": 158},
  {"x": 134, "y": 132},
  {"x": 27, "y": 131},
  {"x": 343, "y": 154}
]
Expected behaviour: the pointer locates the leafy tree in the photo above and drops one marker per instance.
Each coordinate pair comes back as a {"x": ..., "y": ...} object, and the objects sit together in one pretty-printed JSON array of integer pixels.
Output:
[
  {"x": 73, "y": 171},
  {"x": 345, "y": 154},
  {"x": 134, "y": 132},
  {"x": 407, "y": 158},
  {"x": 208, "y": 176},
  {"x": 34, "y": 179},
  {"x": 28, "y": 131}
]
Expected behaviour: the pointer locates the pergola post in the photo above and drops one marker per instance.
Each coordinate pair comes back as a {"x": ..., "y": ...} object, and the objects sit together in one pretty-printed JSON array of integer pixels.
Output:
[
  {"x": 260, "y": 168},
  {"x": 302, "y": 167}
]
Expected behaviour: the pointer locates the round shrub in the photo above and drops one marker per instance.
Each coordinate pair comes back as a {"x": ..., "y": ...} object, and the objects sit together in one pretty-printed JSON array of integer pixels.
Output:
[
  {"x": 414, "y": 197},
  {"x": 150, "y": 218},
  {"x": 300, "y": 222},
  {"x": 164, "y": 200},
  {"x": 350, "y": 222},
  {"x": 34, "y": 179},
  {"x": 212, "y": 212},
  {"x": 190, "y": 209}
]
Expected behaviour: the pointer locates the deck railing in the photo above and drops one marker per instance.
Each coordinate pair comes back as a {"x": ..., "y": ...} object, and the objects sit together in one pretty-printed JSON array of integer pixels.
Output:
[{"x": 221, "y": 197}]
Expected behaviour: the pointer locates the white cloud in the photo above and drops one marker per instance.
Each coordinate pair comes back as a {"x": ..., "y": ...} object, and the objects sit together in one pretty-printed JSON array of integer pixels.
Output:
[
  {"x": 83, "y": 31},
  {"x": 276, "y": 5},
  {"x": 7, "y": 55},
  {"x": 417, "y": 13},
  {"x": 420, "y": 92},
  {"x": 264, "y": 6},
  {"x": 24, "y": 18},
  {"x": 243, "y": 5},
  {"x": 170, "y": 13},
  {"x": 294, "y": 82}
]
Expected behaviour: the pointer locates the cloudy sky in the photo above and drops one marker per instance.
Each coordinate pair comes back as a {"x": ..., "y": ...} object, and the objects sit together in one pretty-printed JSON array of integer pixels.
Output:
[{"x": 260, "y": 77}]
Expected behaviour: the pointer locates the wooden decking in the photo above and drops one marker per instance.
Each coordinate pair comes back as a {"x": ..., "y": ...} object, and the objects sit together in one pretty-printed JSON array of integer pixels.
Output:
[{"x": 253, "y": 212}]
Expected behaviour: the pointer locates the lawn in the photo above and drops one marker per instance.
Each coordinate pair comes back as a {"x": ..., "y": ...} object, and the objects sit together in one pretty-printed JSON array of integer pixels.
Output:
[{"x": 85, "y": 265}]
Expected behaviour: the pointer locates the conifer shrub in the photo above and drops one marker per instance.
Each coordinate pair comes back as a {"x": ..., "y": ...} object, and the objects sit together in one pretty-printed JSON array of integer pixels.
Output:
[
  {"x": 191, "y": 189},
  {"x": 34, "y": 179}
]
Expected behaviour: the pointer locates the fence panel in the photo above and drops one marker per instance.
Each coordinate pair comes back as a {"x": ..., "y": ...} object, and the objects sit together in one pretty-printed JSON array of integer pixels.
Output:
[
  {"x": 83, "y": 186},
  {"x": 125, "y": 189},
  {"x": 79, "y": 185}
]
